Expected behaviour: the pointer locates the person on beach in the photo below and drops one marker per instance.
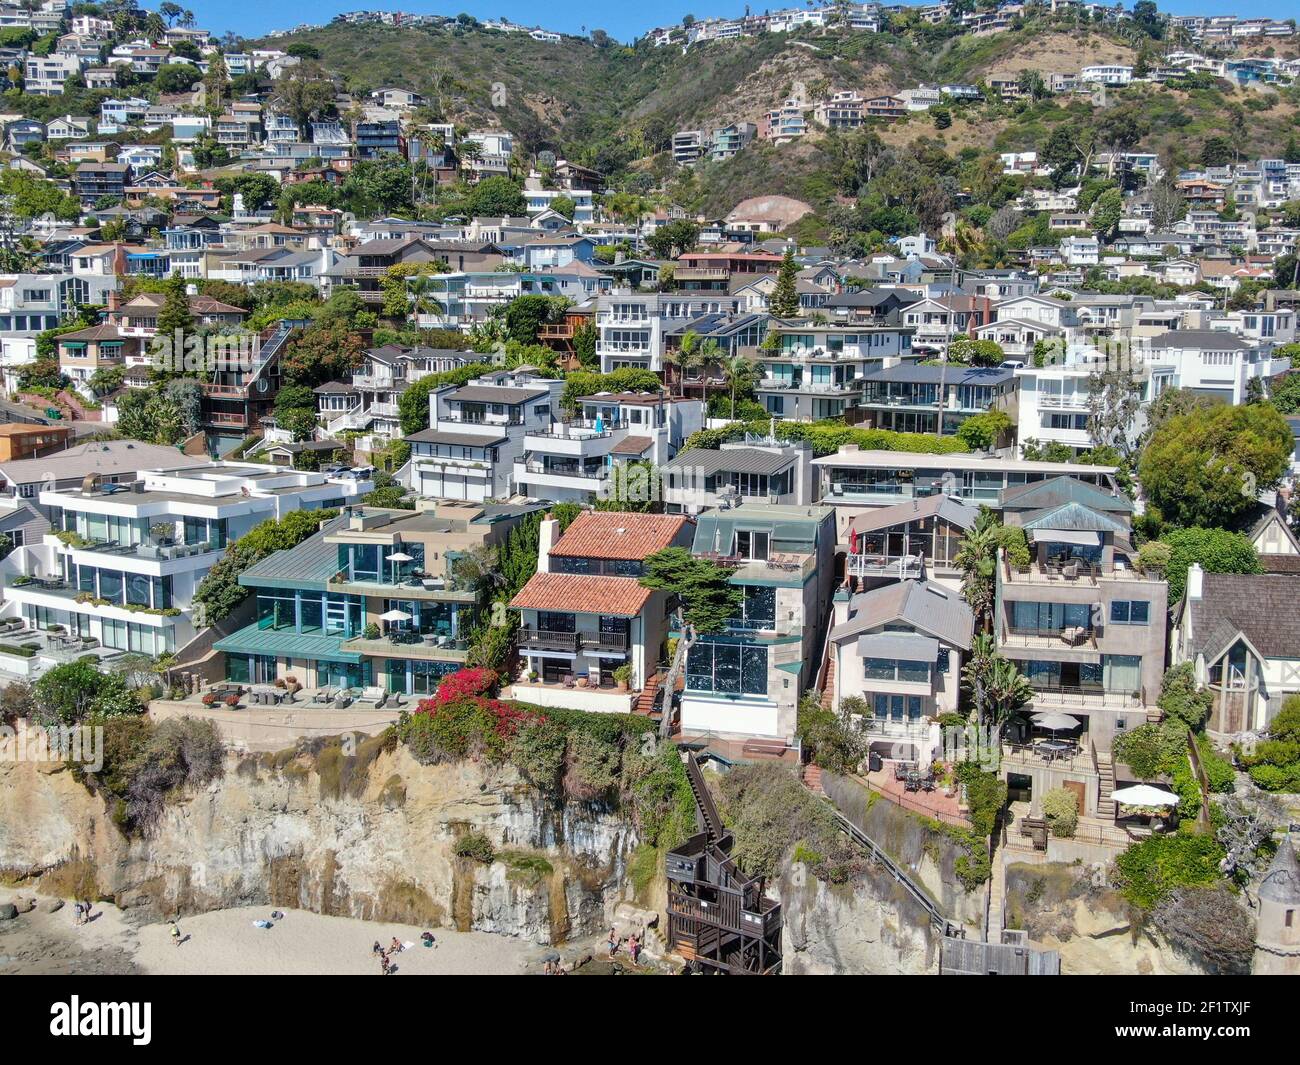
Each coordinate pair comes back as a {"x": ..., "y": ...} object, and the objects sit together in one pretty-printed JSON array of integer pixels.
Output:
[
  {"x": 376, "y": 949},
  {"x": 175, "y": 933},
  {"x": 384, "y": 963},
  {"x": 395, "y": 947},
  {"x": 613, "y": 942},
  {"x": 77, "y": 913},
  {"x": 427, "y": 939},
  {"x": 633, "y": 947}
]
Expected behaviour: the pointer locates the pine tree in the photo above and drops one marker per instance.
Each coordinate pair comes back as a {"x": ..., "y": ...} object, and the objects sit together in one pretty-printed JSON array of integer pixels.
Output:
[{"x": 784, "y": 302}]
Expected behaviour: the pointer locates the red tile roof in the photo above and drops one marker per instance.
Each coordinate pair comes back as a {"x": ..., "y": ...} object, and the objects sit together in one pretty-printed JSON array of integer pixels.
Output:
[
  {"x": 615, "y": 535},
  {"x": 578, "y": 593}
]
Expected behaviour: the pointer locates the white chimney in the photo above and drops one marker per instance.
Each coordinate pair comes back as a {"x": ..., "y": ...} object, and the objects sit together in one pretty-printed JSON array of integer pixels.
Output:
[
  {"x": 547, "y": 533},
  {"x": 1195, "y": 581}
]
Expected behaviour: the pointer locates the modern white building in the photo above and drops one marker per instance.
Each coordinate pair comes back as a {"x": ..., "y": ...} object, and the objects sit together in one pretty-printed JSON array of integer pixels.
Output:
[
  {"x": 476, "y": 433},
  {"x": 122, "y": 561}
]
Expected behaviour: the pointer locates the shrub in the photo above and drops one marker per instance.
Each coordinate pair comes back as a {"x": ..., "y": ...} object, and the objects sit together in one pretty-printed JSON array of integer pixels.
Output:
[
  {"x": 1154, "y": 556},
  {"x": 145, "y": 764},
  {"x": 986, "y": 794},
  {"x": 1149, "y": 749},
  {"x": 1182, "y": 699},
  {"x": 537, "y": 751},
  {"x": 1061, "y": 808},
  {"x": 591, "y": 766},
  {"x": 830, "y": 738},
  {"x": 1148, "y": 871},
  {"x": 476, "y": 847}
]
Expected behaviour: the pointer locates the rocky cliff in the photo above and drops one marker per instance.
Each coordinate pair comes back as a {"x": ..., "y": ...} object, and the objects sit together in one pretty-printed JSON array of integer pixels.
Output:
[
  {"x": 373, "y": 838},
  {"x": 1073, "y": 910}
]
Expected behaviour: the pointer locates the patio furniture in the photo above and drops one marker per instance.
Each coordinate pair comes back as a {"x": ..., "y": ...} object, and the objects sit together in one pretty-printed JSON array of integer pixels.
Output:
[
  {"x": 342, "y": 699},
  {"x": 376, "y": 695},
  {"x": 324, "y": 695}
]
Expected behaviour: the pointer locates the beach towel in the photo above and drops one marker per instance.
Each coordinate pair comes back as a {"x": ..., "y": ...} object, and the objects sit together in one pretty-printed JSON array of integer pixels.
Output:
[
  {"x": 262, "y": 924},
  {"x": 407, "y": 945}
]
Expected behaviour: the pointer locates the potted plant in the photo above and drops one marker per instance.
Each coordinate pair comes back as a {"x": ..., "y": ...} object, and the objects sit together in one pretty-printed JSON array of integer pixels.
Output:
[
  {"x": 582, "y": 680},
  {"x": 371, "y": 631},
  {"x": 209, "y": 699},
  {"x": 292, "y": 684},
  {"x": 232, "y": 701},
  {"x": 281, "y": 683},
  {"x": 623, "y": 676},
  {"x": 532, "y": 676}
]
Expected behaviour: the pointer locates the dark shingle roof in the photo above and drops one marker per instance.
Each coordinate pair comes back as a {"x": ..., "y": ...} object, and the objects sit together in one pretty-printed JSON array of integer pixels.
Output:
[{"x": 1259, "y": 606}]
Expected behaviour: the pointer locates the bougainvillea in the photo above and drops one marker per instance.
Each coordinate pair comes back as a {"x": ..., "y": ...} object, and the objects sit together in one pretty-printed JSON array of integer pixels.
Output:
[{"x": 463, "y": 684}]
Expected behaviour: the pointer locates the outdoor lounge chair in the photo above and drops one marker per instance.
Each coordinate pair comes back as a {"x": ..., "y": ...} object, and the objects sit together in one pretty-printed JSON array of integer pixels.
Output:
[
  {"x": 323, "y": 695},
  {"x": 375, "y": 695}
]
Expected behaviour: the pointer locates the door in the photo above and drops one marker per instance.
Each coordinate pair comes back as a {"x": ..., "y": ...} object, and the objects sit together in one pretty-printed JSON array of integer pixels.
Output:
[{"x": 1080, "y": 790}]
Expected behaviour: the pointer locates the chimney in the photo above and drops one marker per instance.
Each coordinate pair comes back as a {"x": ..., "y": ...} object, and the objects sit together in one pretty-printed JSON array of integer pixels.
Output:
[
  {"x": 547, "y": 533},
  {"x": 840, "y": 606},
  {"x": 1195, "y": 582},
  {"x": 114, "y": 301}
]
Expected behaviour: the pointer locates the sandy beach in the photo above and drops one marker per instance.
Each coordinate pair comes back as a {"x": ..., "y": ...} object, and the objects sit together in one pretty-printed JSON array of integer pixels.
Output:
[{"x": 226, "y": 942}]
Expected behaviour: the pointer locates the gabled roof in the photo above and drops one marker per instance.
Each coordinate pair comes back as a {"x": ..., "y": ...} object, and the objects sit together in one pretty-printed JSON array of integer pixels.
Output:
[
  {"x": 1073, "y": 516},
  {"x": 615, "y": 535},
  {"x": 932, "y": 610},
  {"x": 579, "y": 593},
  {"x": 1257, "y": 607},
  {"x": 942, "y": 506}
]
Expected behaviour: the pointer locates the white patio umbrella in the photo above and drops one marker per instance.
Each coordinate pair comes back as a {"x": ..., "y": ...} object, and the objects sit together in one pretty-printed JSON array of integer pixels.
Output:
[
  {"x": 394, "y": 615},
  {"x": 1145, "y": 795},
  {"x": 399, "y": 556},
  {"x": 1055, "y": 722}
]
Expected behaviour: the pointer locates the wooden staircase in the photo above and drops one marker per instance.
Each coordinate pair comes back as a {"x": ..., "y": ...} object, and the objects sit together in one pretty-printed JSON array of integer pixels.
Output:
[
  {"x": 812, "y": 778},
  {"x": 1105, "y": 786},
  {"x": 828, "y": 688}
]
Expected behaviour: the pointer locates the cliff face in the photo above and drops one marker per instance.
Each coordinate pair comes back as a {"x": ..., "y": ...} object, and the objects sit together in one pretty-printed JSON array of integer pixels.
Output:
[
  {"x": 299, "y": 832},
  {"x": 1071, "y": 909},
  {"x": 871, "y": 926}
]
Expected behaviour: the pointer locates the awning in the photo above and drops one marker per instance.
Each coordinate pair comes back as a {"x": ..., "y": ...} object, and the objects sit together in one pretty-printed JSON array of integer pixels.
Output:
[
  {"x": 909, "y": 646},
  {"x": 1083, "y": 537}
]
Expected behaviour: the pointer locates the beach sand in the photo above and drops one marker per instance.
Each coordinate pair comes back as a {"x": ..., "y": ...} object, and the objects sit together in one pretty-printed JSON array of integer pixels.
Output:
[{"x": 226, "y": 942}]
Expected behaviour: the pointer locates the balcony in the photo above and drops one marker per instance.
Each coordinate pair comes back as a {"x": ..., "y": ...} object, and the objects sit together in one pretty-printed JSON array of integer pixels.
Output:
[
  {"x": 1083, "y": 697},
  {"x": 403, "y": 643},
  {"x": 377, "y": 382},
  {"x": 561, "y": 475},
  {"x": 902, "y": 567},
  {"x": 546, "y": 640},
  {"x": 1064, "y": 638}
]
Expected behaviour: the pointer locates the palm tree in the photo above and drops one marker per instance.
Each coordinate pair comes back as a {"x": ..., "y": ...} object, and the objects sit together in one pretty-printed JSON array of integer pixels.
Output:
[
  {"x": 998, "y": 688},
  {"x": 420, "y": 288},
  {"x": 739, "y": 373},
  {"x": 677, "y": 357},
  {"x": 977, "y": 560}
]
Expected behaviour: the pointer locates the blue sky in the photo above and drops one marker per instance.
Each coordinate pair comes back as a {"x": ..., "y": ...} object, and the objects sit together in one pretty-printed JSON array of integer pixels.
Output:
[{"x": 622, "y": 20}]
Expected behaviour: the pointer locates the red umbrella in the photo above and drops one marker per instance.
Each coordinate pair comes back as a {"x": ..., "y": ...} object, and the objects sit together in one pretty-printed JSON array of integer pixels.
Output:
[{"x": 853, "y": 540}]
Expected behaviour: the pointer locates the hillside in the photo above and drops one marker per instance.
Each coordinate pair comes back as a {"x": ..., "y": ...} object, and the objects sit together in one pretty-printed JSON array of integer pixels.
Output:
[{"x": 616, "y": 108}]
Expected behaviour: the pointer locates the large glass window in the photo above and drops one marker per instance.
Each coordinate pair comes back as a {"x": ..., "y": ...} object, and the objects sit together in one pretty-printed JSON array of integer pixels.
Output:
[
  {"x": 896, "y": 669},
  {"x": 727, "y": 668},
  {"x": 110, "y": 586},
  {"x": 137, "y": 589},
  {"x": 311, "y": 614},
  {"x": 277, "y": 610}
]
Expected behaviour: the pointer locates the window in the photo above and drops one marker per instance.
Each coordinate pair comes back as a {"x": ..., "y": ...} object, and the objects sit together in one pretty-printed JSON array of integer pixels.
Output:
[
  {"x": 896, "y": 669},
  {"x": 895, "y": 707},
  {"x": 1130, "y": 612},
  {"x": 727, "y": 668}
]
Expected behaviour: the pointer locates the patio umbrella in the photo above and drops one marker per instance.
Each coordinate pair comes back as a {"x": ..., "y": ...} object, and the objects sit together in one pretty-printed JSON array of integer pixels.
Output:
[
  {"x": 1145, "y": 795},
  {"x": 1055, "y": 722},
  {"x": 399, "y": 556},
  {"x": 853, "y": 540},
  {"x": 395, "y": 615}
]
